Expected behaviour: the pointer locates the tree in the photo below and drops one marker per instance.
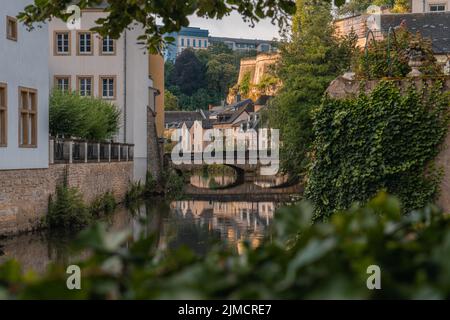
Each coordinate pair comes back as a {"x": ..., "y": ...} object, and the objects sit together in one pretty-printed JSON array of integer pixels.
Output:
[
  {"x": 188, "y": 73},
  {"x": 173, "y": 14},
  {"x": 170, "y": 101},
  {"x": 309, "y": 62}
]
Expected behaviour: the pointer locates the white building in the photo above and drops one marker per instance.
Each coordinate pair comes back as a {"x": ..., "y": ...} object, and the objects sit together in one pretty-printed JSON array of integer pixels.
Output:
[
  {"x": 421, "y": 6},
  {"x": 118, "y": 71},
  {"x": 24, "y": 91}
]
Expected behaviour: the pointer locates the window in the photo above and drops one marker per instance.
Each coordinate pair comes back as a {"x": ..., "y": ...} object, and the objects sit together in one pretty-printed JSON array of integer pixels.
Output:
[
  {"x": 182, "y": 42},
  {"x": 107, "y": 46},
  {"x": 84, "y": 86},
  {"x": 108, "y": 87},
  {"x": 194, "y": 43},
  {"x": 63, "y": 83},
  {"x": 27, "y": 118},
  {"x": 188, "y": 42},
  {"x": 3, "y": 115},
  {"x": 84, "y": 44},
  {"x": 11, "y": 28},
  {"x": 206, "y": 43},
  {"x": 437, "y": 7},
  {"x": 62, "y": 43}
]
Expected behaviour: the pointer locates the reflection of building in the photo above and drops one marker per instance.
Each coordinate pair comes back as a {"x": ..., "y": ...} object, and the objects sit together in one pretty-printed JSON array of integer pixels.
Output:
[
  {"x": 236, "y": 221},
  {"x": 119, "y": 71},
  {"x": 23, "y": 91}
]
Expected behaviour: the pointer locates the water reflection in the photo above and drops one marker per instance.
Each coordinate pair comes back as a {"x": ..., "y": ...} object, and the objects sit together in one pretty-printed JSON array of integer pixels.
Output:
[
  {"x": 213, "y": 177},
  {"x": 196, "y": 224},
  {"x": 270, "y": 181}
]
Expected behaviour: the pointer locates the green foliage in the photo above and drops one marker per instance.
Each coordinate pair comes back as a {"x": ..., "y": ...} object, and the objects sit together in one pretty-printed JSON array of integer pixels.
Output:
[
  {"x": 377, "y": 64},
  {"x": 173, "y": 185},
  {"x": 150, "y": 183},
  {"x": 104, "y": 204},
  {"x": 67, "y": 210},
  {"x": 88, "y": 118},
  {"x": 135, "y": 192},
  {"x": 244, "y": 86},
  {"x": 173, "y": 13},
  {"x": 188, "y": 73},
  {"x": 309, "y": 62},
  {"x": 170, "y": 101},
  {"x": 355, "y": 7},
  {"x": 382, "y": 141},
  {"x": 326, "y": 260},
  {"x": 220, "y": 68}
]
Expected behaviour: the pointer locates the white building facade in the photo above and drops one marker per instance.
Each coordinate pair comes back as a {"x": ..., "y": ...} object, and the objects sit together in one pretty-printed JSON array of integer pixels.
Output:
[
  {"x": 113, "y": 70},
  {"x": 24, "y": 89}
]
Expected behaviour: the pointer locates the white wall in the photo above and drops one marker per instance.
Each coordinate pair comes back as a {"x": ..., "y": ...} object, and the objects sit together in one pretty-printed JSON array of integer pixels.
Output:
[
  {"x": 133, "y": 100},
  {"x": 24, "y": 63}
]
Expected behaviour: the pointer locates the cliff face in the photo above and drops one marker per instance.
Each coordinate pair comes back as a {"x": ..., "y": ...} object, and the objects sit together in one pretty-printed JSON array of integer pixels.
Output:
[{"x": 255, "y": 70}]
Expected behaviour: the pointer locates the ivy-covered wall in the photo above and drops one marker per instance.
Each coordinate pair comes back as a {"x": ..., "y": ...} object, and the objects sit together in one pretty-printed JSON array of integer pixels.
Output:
[{"x": 387, "y": 138}]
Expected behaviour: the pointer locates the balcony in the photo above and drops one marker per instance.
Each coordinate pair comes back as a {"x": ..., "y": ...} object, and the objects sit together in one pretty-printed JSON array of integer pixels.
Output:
[{"x": 80, "y": 151}]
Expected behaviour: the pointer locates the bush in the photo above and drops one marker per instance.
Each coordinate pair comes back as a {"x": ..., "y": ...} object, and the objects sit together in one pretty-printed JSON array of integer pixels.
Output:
[
  {"x": 386, "y": 140},
  {"x": 82, "y": 117},
  {"x": 301, "y": 260},
  {"x": 375, "y": 64},
  {"x": 67, "y": 210},
  {"x": 174, "y": 185},
  {"x": 104, "y": 204},
  {"x": 135, "y": 192}
]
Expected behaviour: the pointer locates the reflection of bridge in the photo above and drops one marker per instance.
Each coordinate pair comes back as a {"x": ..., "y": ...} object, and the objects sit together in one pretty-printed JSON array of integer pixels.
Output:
[
  {"x": 244, "y": 191},
  {"x": 246, "y": 161},
  {"x": 246, "y": 166}
]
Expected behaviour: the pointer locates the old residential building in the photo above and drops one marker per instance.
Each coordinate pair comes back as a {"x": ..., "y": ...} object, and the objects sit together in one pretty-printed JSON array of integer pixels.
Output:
[
  {"x": 119, "y": 71},
  {"x": 421, "y": 6},
  {"x": 432, "y": 25},
  {"x": 24, "y": 91}
]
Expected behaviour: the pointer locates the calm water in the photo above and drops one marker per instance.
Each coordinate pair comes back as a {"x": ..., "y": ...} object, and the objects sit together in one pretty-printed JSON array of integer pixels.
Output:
[{"x": 198, "y": 224}]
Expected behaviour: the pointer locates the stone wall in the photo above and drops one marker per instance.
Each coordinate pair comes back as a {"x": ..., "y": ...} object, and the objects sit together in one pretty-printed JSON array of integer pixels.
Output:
[{"x": 24, "y": 194}]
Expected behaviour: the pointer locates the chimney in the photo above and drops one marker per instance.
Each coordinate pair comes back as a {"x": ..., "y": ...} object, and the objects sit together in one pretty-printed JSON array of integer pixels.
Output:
[{"x": 238, "y": 98}]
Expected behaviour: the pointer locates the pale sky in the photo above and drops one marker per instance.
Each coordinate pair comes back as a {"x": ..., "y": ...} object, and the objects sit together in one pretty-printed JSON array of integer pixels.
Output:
[{"x": 234, "y": 27}]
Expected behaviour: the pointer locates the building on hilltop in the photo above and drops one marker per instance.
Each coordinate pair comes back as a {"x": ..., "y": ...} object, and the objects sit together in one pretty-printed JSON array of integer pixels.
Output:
[
  {"x": 256, "y": 71},
  {"x": 199, "y": 39},
  {"x": 187, "y": 37}
]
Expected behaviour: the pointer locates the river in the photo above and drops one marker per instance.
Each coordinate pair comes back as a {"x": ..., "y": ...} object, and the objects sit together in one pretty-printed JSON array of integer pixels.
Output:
[{"x": 198, "y": 224}]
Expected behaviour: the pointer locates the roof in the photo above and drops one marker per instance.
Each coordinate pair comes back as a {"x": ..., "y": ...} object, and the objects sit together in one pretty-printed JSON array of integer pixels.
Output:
[
  {"x": 256, "y": 42},
  {"x": 182, "y": 116},
  {"x": 434, "y": 25},
  {"x": 193, "y": 32}
]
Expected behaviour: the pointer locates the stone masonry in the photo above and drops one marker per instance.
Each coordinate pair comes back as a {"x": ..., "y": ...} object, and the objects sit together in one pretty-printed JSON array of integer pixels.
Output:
[{"x": 24, "y": 194}]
